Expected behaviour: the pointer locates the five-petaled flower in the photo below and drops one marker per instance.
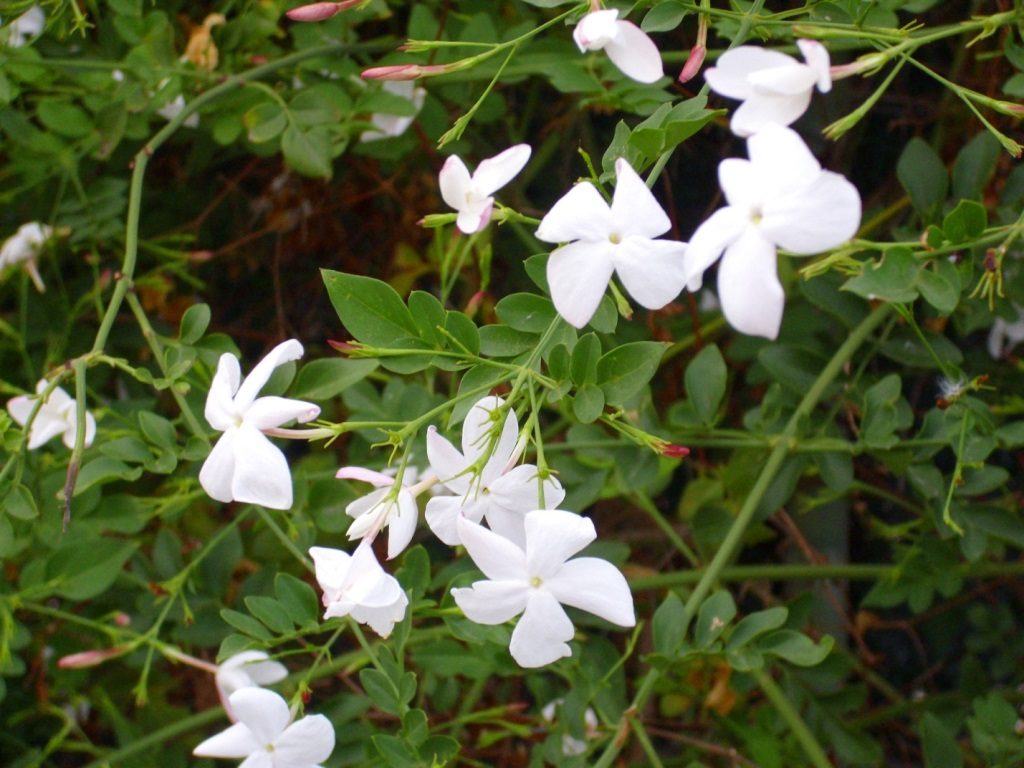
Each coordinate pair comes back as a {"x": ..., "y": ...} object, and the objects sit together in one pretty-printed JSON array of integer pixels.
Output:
[
  {"x": 248, "y": 669},
  {"x": 472, "y": 195},
  {"x": 536, "y": 580},
  {"x": 244, "y": 465},
  {"x": 603, "y": 239},
  {"x": 23, "y": 247},
  {"x": 388, "y": 506},
  {"x": 775, "y": 88},
  {"x": 266, "y": 737},
  {"x": 356, "y": 584},
  {"x": 484, "y": 477},
  {"x": 779, "y": 197},
  {"x": 628, "y": 47},
  {"x": 58, "y": 415}
]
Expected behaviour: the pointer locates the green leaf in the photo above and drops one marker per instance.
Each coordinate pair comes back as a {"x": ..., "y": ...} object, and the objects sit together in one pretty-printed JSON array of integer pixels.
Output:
[
  {"x": 669, "y": 625},
  {"x": 194, "y": 322},
  {"x": 713, "y": 617},
  {"x": 795, "y": 647},
  {"x": 270, "y": 612},
  {"x": 664, "y": 16},
  {"x": 627, "y": 369},
  {"x": 938, "y": 743},
  {"x": 939, "y": 289},
  {"x": 923, "y": 174},
  {"x": 526, "y": 312},
  {"x": 381, "y": 690},
  {"x": 428, "y": 314},
  {"x": 158, "y": 430},
  {"x": 265, "y": 122},
  {"x": 370, "y": 309},
  {"x": 245, "y": 624},
  {"x": 308, "y": 152},
  {"x": 965, "y": 222},
  {"x": 394, "y": 751},
  {"x": 585, "y": 355},
  {"x": 298, "y": 598},
  {"x": 974, "y": 166},
  {"x": 705, "y": 383},
  {"x": 588, "y": 403},
  {"x": 104, "y": 470},
  {"x": 20, "y": 503},
  {"x": 502, "y": 341},
  {"x": 890, "y": 280},
  {"x": 85, "y": 568},
  {"x": 329, "y": 377},
  {"x": 463, "y": 331},
  {"x": 755, "y": 625},
  {"x": 64, "y": 118}
]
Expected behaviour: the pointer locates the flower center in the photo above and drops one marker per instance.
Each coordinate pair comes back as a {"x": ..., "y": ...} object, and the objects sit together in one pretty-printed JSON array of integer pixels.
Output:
[
  {"x": 269, "y": 747},
  {"x": 615, "y": 238},
  {"x": 536, "y": 581},
  {"x": 756, "y": 215}
]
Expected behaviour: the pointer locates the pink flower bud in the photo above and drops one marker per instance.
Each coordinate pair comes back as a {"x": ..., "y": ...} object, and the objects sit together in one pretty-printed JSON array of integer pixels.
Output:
[
  {"x": 674, "y": 451},
  {"x": 320, "y": 11},
  {"x": 404, "y": 71},
  {"x": 693, "y": 63},
  {"x": 87, "y": 659}
]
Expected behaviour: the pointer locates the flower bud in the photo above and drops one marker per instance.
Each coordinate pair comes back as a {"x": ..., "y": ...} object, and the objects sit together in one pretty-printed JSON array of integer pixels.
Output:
[
  {"x": 693, "y": 63},
  {"x": 404, "y": 71},
  {"x": 674, "y": 451},
  {"x": 320, "y": 11},
  {"x": 87, "y": 659}
]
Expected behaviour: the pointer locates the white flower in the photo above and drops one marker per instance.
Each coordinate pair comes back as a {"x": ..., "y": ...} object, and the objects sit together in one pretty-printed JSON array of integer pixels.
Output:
[
  {"x": 384, "y": 507},
  {"x": 248, "y": 669},
  {"x": 30, "y": 24},
  {"x": 775, "y": 88},
  {"x": 604, "y": 239},
  {"x": 23, "y": 247},
  {"x": 244, "y": 465},
  {"x": 471, "y": 196},
  {"x": 779, "y": 197},
  {"x": 572, "y": 746},
  {"x": 266, "y": 737},
  {"x": 356, "y": 584},
  {"x": 537, "y": 580},
  {"x": 387, "y": 126},
  {"x": 484, "y": 477},
  {"x": 1004, "y": 336},
  {"x": 629, "y": 48},
  {"x": 57, "y": 416},
  {"x": 172, "y": 109}
]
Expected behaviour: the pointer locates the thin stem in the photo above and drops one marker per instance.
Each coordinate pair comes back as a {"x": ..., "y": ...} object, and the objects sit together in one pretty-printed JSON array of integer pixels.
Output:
[
  {"x": 665, "y": 526},
  {"x": 803, "y": 734}
]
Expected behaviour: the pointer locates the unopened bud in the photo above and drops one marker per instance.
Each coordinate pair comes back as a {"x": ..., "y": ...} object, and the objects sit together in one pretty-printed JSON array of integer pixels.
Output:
[
  {"x": 341, "y": 346},
  {"x": 404, "y": 71},
  {"x": 87, "y": 659},
  {"x": 674, "y": 451},
  {"x": 320, "y": 11},
  {"x": 693, "y": 63}
]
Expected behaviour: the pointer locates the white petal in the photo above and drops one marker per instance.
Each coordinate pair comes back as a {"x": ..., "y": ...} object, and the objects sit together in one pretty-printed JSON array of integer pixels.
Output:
[
  {"x": 475, "y": 214},
  {"x": 402, "y": 526},
  {"x": 791, "y": 80},
  {"x": 442, "y": 516},
  {"x": 817, "y": 58},
  {"x": 365, "y": 475},
  {"x": 513, "y": 495},
  {"x": 478, "y": 427},
  {"x": 595, "y": 586},
  {"x": 382, "y": 619},
  {"x": 218, "y": 471},
  {"x": 740, "y": 182},
  {"x": 542, "y": 634},
  {"x": 261, "y": 471},
  {"x": 634, "y": 53},
  {"x": 20, "y": 407},
  {"x": 596, "y": 30},
  {"x": 578, "y": 274},
  {"x": 492, "y": 602},
  {"x": 748, "y": 286},
  {"x": 46, "y": 427},
  {"x": 823, "y": 215},
  {"x": 332, "y": 567},
  {"x": 454, "y": 182},
  {"x": 263, "y": 712},
  {"x": 782, "y": 160},
  {"x": 496, "y": 556},
  {"x": 447, "y": 463},
  {"x": 717, "y": 233},
  {"x": 495, "y": 172},
  {"x": 760, "y": 112},
  {"x": 635, "y": 210},
  {"x": 729, "y": 76},
  {"x": 283, "y": 353},
  {"x": 305, "y": 743},
  {"x": 652, "y": 271},
  {"x": 260, "y": 758},
  {"x": 235, "y": 742},
  {"x": 580, "y": 214},
  {"x": 220, "y": 408},
  {"x": 552, "y": 537},
  {"x": 269, "y": 412}
]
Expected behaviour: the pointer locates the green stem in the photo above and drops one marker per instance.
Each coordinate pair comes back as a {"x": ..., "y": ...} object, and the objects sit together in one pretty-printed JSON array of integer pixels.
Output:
[
  {"x": 671, "y": 534},
  {"x": 803, "y": 734},
  {"x": 746, "y": 514}
]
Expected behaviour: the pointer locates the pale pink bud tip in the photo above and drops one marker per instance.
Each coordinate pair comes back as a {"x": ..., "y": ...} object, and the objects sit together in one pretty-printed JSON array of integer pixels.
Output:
[
  {"x": 674, "y": 451},
  {"x": 341, "y": 346},
  {"x": 90, "y": 658},
  {"x": 693, "y": 63},
  {"x": 319, "y": 11},
  {"x": 403, "y": 71}
]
